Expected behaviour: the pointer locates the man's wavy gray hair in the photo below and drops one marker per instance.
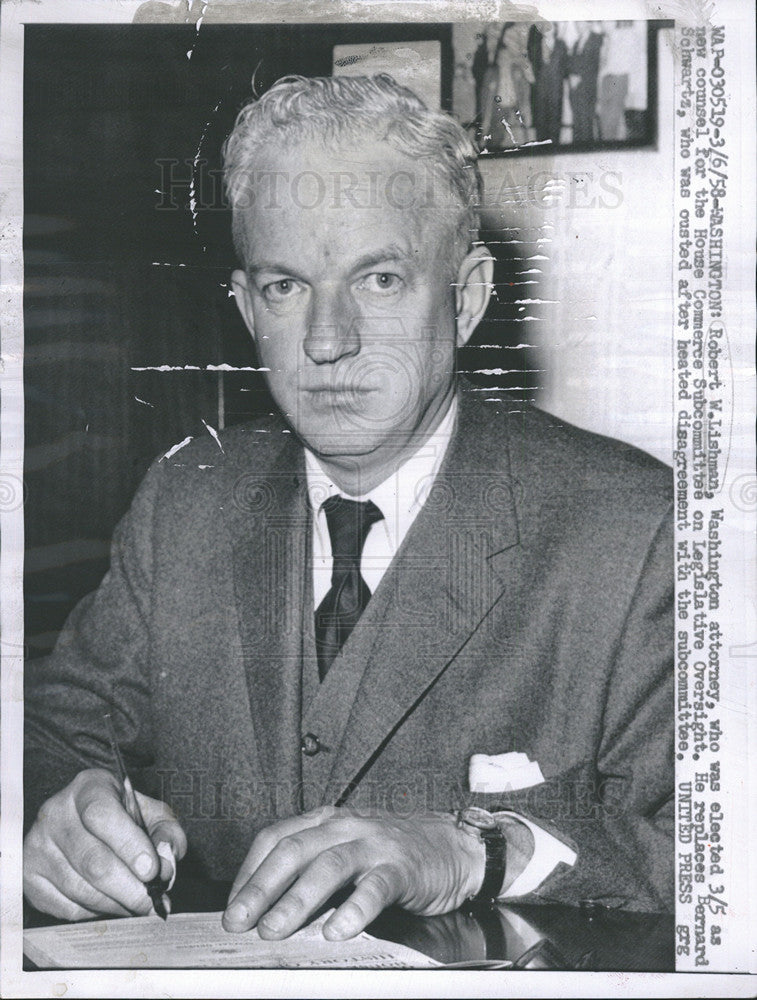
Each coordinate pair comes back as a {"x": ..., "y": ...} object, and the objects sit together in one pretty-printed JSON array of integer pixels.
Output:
[{"x": 374, "y": 108}]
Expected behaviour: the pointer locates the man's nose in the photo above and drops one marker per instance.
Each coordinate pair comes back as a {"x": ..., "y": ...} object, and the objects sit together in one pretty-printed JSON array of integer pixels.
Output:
[{"x": 333, "y": 329}]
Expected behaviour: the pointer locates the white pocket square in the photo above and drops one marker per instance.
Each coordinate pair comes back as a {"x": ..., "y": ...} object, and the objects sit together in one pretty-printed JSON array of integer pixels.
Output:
[{"x": 502, "y": 772}]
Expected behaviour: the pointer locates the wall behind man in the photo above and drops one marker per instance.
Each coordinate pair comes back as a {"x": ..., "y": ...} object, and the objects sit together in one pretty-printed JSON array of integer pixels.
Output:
[{"x": 596, "y": 228}]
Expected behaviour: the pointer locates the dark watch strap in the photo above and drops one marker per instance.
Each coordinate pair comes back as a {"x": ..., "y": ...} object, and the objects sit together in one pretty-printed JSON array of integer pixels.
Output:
[{"x": 495, "y": 843}]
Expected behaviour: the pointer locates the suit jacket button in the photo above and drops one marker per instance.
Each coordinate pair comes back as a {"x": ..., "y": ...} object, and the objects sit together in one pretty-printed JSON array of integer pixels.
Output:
[{"x": 310, "y": 745}]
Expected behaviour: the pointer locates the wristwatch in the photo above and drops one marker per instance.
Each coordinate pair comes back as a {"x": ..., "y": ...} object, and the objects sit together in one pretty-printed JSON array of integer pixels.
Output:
[{"x": 482, "y": 824}]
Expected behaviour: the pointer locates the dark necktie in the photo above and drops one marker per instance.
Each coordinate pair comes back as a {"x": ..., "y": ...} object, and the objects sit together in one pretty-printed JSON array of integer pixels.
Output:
[{"x": 338, "y": 612}]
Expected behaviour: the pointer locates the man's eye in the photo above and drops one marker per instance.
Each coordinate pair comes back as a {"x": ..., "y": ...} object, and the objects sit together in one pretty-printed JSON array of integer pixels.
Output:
[
  {"x": 381, "y": 282},
  {"x": 284, "y": 288}
]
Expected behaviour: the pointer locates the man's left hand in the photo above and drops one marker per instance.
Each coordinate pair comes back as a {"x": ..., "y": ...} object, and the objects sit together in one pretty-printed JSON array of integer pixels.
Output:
[{"x": 425, "y": 864}]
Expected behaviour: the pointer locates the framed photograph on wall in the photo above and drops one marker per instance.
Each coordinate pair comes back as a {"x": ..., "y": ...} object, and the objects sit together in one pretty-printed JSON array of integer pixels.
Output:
[{"x": 546, "y": 85}]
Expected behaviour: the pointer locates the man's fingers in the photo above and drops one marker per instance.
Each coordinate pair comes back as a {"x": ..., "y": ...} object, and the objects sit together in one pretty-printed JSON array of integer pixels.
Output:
[
  {"x": 171, "y": 833},
  {"x": 328, "y": 872},
  {"x": 279, "y": 869},
  {"x": 86, "y": 846},
  {"x": 171, "y": 845},
  {"x": 102, "y": 813},
  {"x": 300, "y": 875},
  {"x": 378, "y": 889},
  {"x": 418, "y": 863},
  {"x": 56, "y": 873},
  {"x": 269, "y": 838},
  {"x": 162, "y": 824},
  {"x": 101, "y": 869},
  {"x": 44, "y": 896},
  {"x": 82, "y": 869}
]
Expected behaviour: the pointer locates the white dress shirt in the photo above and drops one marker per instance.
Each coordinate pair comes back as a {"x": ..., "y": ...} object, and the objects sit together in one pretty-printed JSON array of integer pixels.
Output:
[{"x": 400, "y": 498}]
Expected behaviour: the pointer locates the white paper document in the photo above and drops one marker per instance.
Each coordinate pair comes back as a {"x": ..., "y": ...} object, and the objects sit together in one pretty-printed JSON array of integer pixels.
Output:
[{"x": 197, "y": 940}]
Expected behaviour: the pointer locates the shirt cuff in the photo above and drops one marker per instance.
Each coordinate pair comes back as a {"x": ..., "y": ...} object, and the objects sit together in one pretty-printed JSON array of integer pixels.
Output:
[{"x": 549, "y": 852}]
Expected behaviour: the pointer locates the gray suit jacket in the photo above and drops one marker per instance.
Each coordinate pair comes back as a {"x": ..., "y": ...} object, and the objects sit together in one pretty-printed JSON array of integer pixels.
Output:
[{"x": 529, "y": 609}]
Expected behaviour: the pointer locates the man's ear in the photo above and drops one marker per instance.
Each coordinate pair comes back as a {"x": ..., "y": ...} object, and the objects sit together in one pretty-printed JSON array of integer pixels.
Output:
[
  {"x": 242, "y": 294},
  {"x": 473, "y": 290}
]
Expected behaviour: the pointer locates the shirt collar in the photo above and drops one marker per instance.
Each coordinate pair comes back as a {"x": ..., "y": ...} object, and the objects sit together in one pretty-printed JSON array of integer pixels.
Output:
[{"x": 402, "y": 494}]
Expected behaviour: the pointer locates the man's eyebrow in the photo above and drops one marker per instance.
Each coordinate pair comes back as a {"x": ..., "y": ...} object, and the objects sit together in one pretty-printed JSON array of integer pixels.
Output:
[
  {"x": 253, "y": 269},
  {"x": 385, "y": 255}
]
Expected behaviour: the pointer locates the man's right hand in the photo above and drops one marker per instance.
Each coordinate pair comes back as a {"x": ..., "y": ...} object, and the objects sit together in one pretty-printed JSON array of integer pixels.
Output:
[{"x": 86, "y": 857}]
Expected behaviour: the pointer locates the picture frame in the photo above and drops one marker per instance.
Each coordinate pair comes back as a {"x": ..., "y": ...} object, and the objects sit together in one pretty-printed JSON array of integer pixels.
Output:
[{"x": 556, "y": 86}]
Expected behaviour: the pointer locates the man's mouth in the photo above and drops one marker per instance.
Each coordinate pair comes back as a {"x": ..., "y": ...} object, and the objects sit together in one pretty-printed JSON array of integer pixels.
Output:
[{"x": 339, "y": 390}]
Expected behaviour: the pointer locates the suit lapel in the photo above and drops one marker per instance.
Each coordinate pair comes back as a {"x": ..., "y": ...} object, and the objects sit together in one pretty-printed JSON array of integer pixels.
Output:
[
  {"x": 450, "y": 570},
  {"x": 268, "y": 528}
]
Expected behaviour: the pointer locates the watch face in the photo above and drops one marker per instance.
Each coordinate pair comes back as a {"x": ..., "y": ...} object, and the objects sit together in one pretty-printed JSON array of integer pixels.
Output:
[{"x": 479, "y": 818}]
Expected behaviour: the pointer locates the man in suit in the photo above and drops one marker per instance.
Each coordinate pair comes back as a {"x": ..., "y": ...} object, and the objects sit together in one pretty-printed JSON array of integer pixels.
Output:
[
  {"x": 583, "y": 71},
  {"x": 327, "y": 637},
  {"x": 549, "y": 58}
]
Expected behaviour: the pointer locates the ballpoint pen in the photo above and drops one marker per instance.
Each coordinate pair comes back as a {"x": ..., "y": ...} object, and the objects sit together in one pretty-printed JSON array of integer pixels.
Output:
[{"x": 156, "y": 887}]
